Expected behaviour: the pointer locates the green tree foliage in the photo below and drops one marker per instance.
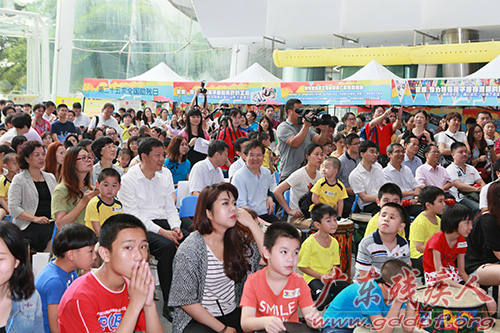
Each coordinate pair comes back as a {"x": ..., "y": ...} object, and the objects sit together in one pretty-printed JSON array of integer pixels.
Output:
[{"x": 12, "y": 64}]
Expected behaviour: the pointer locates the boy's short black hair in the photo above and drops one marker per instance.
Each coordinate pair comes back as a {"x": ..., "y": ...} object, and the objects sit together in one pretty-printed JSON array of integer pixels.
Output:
[
  {"x": 320, "y": 210},
  {"x": 399, "y": 208},
  {"x": 71, "y": 237},
  {"x": 238, "y": 142},
  {"x": 17, "y": 141},
  {"x": 452, "y": 217},
  {"x": 109, "y": 172},
  {"x": 392, "y": 268},
  {"x": 252, "y": 144},
  {"x": 335, "y": 162},
  {"x": 261, "y": 136},
  {"x": 279, "y": 229},
  {"x": 99, "y": 144},
  {"x": 114, "y": 224},
  {"x": 7, "y": 108},
  {"x": 5, "y": 149},
  {"x": 390, "y": 188},
  {"x": 429, "y": 194},
  {"x": 456, "y": 145},
  {"x": 21, "y": 120},
  {"x": 217, "y": 146},
  {"x": 77, "y": 105},
  {"x": 147, "y": 144},
  {"x": 365, "y": 145},
  {"x": 60, "y": 106},
  {"x": 8, "y": 156},
  {"x": 470, "y": 121}
]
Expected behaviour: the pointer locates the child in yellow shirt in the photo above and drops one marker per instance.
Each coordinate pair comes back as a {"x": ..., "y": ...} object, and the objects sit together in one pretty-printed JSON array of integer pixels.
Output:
[
  {"x": 104, "y": 205},
  {"x": 426, "y": 224},
  {"x": 329, "y": 190},
  {"x": 9, "y": 163}
]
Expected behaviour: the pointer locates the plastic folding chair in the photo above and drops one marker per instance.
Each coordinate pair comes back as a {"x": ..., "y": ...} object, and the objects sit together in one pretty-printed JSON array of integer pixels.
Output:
[
  {"x": 286, "y": 195},
  {"x": 188, "y": 206}
]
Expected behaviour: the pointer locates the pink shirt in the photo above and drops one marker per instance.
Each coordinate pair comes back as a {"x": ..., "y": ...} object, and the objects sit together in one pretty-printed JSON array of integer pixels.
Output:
[{"x": 427, "y": 175}]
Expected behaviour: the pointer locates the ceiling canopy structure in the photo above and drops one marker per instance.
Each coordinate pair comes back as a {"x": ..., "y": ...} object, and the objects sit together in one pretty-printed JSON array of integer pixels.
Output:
[{"x": 298, "y": 24}]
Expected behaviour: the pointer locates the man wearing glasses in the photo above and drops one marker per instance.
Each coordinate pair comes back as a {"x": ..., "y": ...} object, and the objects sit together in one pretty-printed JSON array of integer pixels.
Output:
[
  {"x": 397, "y": 173},
  {"x": 367, "y": 178},
  {"x": 254, "y": 183},
  {"x": 431, "y": 173}
]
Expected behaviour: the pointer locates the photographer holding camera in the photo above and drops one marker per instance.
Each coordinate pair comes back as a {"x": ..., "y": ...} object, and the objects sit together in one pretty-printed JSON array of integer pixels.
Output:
[
  {"x": 293, "y": 137},
  {"x": 229, "y": 132},
  {"x": 381, "y": 134}
]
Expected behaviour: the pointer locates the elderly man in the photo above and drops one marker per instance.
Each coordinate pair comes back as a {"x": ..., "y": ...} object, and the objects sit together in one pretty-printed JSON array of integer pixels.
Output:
[
  {"x": 399, "y": 174},
  {"x": 431, "y": 173}
]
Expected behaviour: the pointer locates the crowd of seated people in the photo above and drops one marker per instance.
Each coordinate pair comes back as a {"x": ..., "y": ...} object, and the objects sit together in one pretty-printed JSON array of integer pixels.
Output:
[{"x": 71, "y": 181}]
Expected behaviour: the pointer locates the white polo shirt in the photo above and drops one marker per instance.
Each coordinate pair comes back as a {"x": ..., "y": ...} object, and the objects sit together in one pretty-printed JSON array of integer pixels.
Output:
[
  {"x": 468, "y": 176},
  {"x": 203, "y": 174},
  {"x": 362, "y": 180}
]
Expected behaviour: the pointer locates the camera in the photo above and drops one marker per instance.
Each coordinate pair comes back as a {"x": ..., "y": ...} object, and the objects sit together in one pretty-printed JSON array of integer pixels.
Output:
[
  {"x": 317, "y": 118},
  {"x": 203, "y": 90}
]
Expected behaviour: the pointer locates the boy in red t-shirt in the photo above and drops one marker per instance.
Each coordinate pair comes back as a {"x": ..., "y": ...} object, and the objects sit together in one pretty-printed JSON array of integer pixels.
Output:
[
  {"x": 273, "y": 295},
  {"x": 118, "y": 296},
  {"x": 446, "y": 247},
  {"x": 379, "y": 133}
]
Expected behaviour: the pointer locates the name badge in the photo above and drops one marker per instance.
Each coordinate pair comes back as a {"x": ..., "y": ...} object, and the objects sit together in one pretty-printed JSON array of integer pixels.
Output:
[
  {"x": 291, "y": 293},
  {"x": 461, "y": 245},
  {"x": 117, "y": 209}
]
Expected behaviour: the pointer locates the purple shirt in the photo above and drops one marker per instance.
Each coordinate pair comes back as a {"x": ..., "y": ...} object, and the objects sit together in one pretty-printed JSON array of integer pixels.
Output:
[{"x": 427, "y": 175}]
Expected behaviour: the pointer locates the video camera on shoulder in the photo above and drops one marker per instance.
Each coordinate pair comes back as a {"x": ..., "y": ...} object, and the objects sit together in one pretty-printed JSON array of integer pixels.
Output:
[{"x": 319, "y": 116}]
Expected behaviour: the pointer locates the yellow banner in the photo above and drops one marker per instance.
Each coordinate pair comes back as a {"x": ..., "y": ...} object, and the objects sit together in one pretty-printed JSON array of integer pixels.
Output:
[{"x": 398, "y": 55}]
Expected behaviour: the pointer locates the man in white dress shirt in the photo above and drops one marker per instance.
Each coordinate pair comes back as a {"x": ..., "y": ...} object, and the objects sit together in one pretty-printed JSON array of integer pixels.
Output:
[
  {"x": 147, "y": 193},
  {"x": 207, "y": 171}
]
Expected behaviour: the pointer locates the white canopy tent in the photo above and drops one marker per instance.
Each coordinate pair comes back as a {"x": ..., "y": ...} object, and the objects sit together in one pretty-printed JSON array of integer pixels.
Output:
[
  {"x": 254, "y": 73},
  {"x": 160, "y": 72},
  {"x": 490, "y": 71},
  {"x": 373, "y": 71}
]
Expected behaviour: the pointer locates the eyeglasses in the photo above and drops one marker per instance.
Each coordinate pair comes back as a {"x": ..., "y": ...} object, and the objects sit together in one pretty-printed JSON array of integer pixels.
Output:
[
  {"x": 434, "y": 152},
  {"x": 351, "y": 119},
  {"x": 85, "y": 158},
  {"x": 398, "y": 151}
]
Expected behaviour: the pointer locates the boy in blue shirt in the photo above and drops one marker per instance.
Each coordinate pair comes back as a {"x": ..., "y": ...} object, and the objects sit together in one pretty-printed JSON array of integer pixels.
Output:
[
  {"x": 375, "y": 302},
  {"x": 73, "y": 247}
]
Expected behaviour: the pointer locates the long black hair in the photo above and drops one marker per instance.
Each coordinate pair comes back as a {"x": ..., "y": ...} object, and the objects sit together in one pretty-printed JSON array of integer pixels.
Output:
[
  {"x": 270, "y": 129},
  {"x": 22, "y": 281}
]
